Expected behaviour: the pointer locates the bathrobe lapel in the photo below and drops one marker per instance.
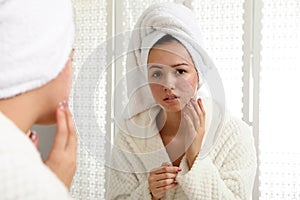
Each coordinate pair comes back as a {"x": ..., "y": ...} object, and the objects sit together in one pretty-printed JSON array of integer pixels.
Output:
[{"x": 145, "y": 139}]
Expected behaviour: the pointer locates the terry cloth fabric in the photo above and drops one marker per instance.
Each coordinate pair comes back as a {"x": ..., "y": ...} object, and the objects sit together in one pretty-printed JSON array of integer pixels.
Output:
[
  {"x": 227, "y": 172},
  {"x": 36, "y": 39}
]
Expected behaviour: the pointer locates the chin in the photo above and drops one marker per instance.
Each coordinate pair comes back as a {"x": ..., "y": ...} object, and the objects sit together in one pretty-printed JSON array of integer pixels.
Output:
[
  {"x": 175, "y": 108},
  {"x": 48, "y": 119}
]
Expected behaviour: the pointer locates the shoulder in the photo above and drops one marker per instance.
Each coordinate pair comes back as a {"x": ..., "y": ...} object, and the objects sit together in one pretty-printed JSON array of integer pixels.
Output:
[
  {"x": 22, "y": 176},
  {"x": 21, "y": 166},
  {"x": 235, "y": 137},
  {"x": 13, "y": 140},
  {"x": 235, "y": 129}
]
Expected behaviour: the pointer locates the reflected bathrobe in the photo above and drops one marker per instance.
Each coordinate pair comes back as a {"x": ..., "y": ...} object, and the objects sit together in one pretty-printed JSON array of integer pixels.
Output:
[{"x": 226, "y": 172}]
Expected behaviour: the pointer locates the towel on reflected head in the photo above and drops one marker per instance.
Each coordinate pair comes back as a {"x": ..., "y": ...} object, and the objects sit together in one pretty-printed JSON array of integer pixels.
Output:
[{"x": 155, "y": 22}]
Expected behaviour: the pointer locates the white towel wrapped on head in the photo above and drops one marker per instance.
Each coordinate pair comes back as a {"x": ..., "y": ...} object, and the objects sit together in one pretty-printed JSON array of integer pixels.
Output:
[
  {"x": 36, "y": 38},
  {"x": 155, "y": 22}
]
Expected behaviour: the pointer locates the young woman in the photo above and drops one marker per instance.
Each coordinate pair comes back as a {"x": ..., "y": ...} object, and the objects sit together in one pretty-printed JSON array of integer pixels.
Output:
[
  {"x": 176, "y": 145},
  {"x": 35, "y": 78}
]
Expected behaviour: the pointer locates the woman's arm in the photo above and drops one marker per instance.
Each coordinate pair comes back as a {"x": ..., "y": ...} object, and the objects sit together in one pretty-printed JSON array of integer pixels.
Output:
[{"x": 228, "y": 172}]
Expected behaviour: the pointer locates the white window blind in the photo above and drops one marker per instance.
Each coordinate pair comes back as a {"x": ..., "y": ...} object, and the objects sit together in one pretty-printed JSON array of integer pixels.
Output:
[
  {"x": 89, "y": 99},
  {"x": 221, "y": 23},
  {"x": 279, "y": 101}
]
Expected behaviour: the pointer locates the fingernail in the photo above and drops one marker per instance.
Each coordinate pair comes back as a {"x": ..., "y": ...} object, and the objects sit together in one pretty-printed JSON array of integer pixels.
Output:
[
  {"x": 65, "y": 103},
  {"x": 32, "y": 135},
  {"x": 179, "y": 169},
  {"x": 61, "y": 106}
]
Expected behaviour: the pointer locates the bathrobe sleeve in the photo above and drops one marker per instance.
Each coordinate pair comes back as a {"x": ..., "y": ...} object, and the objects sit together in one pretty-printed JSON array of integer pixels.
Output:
[{"x": 228, "y": 172}]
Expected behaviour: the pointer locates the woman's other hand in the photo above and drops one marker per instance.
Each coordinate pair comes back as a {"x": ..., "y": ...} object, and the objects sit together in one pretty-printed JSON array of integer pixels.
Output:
[
  {"x": 194, "y": 127},
  {"x": 162, "y": 179},
  {"x": 63, "y": 155}
]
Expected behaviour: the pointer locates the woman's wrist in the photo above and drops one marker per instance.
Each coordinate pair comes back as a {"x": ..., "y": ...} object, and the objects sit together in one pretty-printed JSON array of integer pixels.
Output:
[
  {"x": 152, "y": 197},
  {"x": 191, "y": 157},
  {"x": 193, "y": 151},
  {"x": 191, "y": 160}
]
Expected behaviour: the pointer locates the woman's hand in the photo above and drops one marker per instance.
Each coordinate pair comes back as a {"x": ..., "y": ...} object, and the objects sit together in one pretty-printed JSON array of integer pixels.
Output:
[
  {"x": 162, "y": 179},
  {"x": 34, "y": 138},
  {"x": 63, "y": 155},
  {"x": 194, "y": 127}
]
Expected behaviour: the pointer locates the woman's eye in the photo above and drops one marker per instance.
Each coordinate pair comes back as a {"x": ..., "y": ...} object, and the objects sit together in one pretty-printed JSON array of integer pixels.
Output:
[
  {"x": 156, "y": 74},
  {"x": 180, "y": 71}
]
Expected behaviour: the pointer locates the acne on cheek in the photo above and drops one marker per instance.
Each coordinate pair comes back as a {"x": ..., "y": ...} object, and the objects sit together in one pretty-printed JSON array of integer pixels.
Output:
[
  {"x": 155, "y": 87},
  {"x": 195, "y": 83}
]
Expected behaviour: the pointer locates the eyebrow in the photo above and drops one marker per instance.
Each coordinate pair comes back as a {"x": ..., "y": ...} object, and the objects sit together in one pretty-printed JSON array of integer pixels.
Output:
[
  {"x": 175, "y": 65},
  {"x": 179, "y": 64},
  {"x": 155, "y": 66}
]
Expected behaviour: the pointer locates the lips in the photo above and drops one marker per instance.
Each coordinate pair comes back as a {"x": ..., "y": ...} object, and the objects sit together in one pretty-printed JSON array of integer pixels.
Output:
[{"x": 170, "y": 97}]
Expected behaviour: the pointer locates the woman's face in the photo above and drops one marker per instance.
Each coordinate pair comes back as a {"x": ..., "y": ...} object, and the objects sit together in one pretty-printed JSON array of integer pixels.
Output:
[
  {"x": 56, "y": 91},
  {"x": 66, "y": 77},
  {"x": 172, "y": 76}
]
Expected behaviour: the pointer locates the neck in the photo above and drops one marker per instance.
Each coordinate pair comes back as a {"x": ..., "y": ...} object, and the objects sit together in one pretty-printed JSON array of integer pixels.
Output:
[
  {"x": 20, "y": 110},
  {"x": 169, "y": 122}
]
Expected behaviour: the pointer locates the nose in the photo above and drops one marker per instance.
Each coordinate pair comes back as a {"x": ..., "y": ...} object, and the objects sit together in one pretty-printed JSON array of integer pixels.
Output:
[{"x": 169, "y": 83}]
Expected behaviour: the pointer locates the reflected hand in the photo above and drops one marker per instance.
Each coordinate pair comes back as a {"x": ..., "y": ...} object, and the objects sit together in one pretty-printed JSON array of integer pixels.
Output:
[
  {"x": 162, "y": 179},
  {"x": 63, "y": 155},
  {"x": 194, "y": 128}
]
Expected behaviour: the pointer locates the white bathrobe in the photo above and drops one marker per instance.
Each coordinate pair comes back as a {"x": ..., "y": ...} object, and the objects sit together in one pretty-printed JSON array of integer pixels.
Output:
[
  {"x": 227, "y": 172},
  {"x": 23, "y": 175}
]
